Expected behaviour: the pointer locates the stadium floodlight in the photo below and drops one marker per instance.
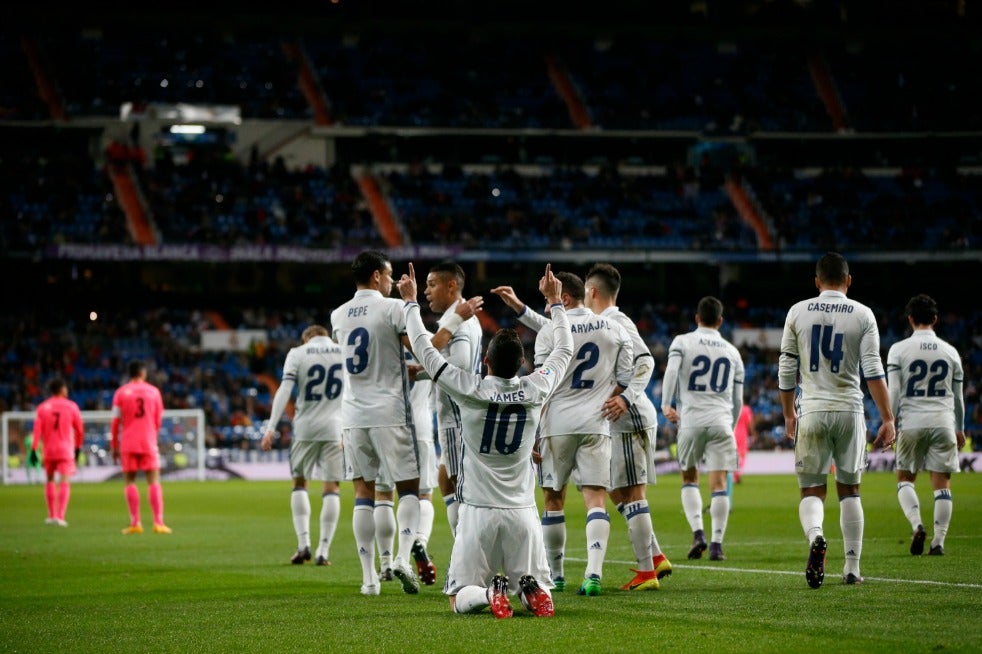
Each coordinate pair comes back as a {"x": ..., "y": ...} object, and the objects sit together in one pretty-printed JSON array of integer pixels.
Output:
[{"x": 187, "y": 129}]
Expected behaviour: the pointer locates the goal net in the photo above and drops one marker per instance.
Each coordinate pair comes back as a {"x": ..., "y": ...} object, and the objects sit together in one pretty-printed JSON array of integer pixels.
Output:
[{"x": 181, "y": 442}]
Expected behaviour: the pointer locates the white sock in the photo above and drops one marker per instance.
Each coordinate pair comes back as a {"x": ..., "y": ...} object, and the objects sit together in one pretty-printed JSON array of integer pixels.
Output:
[
  {"x": 330, "y": 514},
  {"x": 719, "y": 513},
  {"x": 300, "y": 508},
  {"x": 363, "y": 527},
  {"x": 942, "y": 515},
  {"x": 407, "y": 517},
  {"x": 811, "y": 513},
  {"x": 851, "y": 521},
  {"x": 385, "y": 531},
  {"x": 453, "y": 510},
  {"x": 597, "y": 535},
  {"x": 640, "y": 532},
  {"x": 692, "y": 505},
  {"x": 907, "y": 497},
  {"x": 426, "y": 515},
  {"x": 554, "y": 537},
  {"x": 470, "y": 599}
]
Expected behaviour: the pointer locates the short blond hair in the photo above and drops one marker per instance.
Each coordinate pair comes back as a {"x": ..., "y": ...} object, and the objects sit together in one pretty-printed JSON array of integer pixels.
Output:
[{"x": 314, "y": 330}]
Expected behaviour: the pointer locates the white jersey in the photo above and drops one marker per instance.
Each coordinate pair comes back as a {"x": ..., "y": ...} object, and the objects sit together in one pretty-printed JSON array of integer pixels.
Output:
[
  {"x": 925, "y": 379},
  {"x": 463, "y": 351},
  {"x": 828, "y": 342},
  {"x": 602, "y": 358},
  {"x": 315, "y": 369},
  {"x": 421, "y": 392},
  {"x": 499, "y": 417},
  {"x": 369, "y": 328},
  {"x": 641, "y": 413},
  {"x": 704, "y": 376}
]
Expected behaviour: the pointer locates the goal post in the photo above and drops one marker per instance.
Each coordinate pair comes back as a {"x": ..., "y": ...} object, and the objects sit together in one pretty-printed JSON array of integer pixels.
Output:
[{"x": 181, "y": 444}]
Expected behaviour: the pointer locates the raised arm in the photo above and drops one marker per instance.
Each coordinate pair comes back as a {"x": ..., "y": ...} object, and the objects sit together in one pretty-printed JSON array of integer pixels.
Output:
[{"x": 528, "y": 317}]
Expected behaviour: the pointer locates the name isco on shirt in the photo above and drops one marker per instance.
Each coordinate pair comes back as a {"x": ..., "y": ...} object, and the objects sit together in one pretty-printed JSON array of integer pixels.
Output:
[
  {"x": 825, "y": 307},
  {"x": 587, "y": 327}
]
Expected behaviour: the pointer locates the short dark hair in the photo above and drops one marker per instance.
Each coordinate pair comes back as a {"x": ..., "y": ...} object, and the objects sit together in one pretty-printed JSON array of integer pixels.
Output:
[
  {"x": 832, "y": 269},
  {"x": 366, "y": 263},
  {"x": 450, "y": 269},
  {"x": 55, "y": 385},
  {"x": 923, "y": 309},
  {"x": 505, "y": 353},
  {"x": 572, "y": 285},
  {"x": 135, "y": 368},
  {"x": 709, "y": 310},
  {"x": 606, "y": 277}
]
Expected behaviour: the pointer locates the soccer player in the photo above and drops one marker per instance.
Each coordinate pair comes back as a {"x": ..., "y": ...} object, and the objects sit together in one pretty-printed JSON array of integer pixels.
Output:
[
  {"x": 444, "y": 292},
  {"x": 704, "y": 379},
  {"x": 828, "y": 342},
  {"x": 498, "y": 543},
  {"x": 58, "y": 427},
  {"x": 314, "y": 368},
  {"x": 925, "y": 380},
  {"x": 741, "y": 432},
  {"x": 376, "y": 418},
  {"x": 575, "y": 434},
  {"x": 137, "y": 411},
  {"x": 633, "y": 423}
]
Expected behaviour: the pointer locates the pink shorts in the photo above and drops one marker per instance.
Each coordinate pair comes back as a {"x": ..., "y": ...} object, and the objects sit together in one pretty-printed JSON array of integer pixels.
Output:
[
  {"x": 63, "y": 467},
  {"x": 134, "y": 461}
]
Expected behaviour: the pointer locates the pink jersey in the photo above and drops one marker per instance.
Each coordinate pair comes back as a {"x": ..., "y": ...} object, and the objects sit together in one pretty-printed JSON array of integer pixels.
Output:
[
  {"x": 59, "y": 426},
  {"x": 139, "y": 407},
  {"x": 742, "y": 430}
]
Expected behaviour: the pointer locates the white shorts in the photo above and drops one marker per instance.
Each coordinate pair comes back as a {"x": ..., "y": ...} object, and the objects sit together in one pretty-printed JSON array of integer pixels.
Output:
[
  {"x": 713, "y": 445},
  {"x": 450, "y": 448},
  {"x": 387, "y": 453},
  {"x": 317, "y": 460},
  {"x": 492, "y": 541},
  {"x": 589, "y": 454},
  {"x": 829, "y": 437},
  {"x": 934, "y": 449},
  {"x": 630, "y": 460}
]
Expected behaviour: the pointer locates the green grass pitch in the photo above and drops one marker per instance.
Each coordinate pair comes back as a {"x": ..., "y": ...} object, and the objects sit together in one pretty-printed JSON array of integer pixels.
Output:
[{"x": 222, "y": 582}]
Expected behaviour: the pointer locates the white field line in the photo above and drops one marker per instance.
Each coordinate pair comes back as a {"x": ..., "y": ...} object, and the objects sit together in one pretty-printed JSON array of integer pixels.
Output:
[{"x": 716, "y": 568}]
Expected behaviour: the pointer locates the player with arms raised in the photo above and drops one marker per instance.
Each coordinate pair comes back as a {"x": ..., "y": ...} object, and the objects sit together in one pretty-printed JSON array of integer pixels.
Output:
[{"x": 498, "y": 530}]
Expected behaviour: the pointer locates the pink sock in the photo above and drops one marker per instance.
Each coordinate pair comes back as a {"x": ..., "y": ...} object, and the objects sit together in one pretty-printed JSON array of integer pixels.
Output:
[
  {"x": 50, "y": 497},
  {"x": 133, "y": 501},
  {"x": 64, "y": 494},
  {"x": 156, "y": 495}
]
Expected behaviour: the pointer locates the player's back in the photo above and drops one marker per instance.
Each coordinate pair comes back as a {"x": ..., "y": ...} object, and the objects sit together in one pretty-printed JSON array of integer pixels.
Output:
[
  {"x": 499, "y": 420},
  {"x": 56, "y": 419},
  {"x": 925, "y": 368},
  {"x": 316, "y": 367},
  {"x": 710, "y": 367},
  {"x": 602, "y": 358},
  {"x": 642, "y": 413},
  {"x": 834, "y": 340},
  {"x": 368, "y": 328},
  {"x": 139, "y": 406}
]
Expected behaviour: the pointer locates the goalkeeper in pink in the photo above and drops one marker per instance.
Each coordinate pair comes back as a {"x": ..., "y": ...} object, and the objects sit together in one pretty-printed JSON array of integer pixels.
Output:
[
  {"x": 58, "y": 425},
  {"x": 136, "y": 417}
]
